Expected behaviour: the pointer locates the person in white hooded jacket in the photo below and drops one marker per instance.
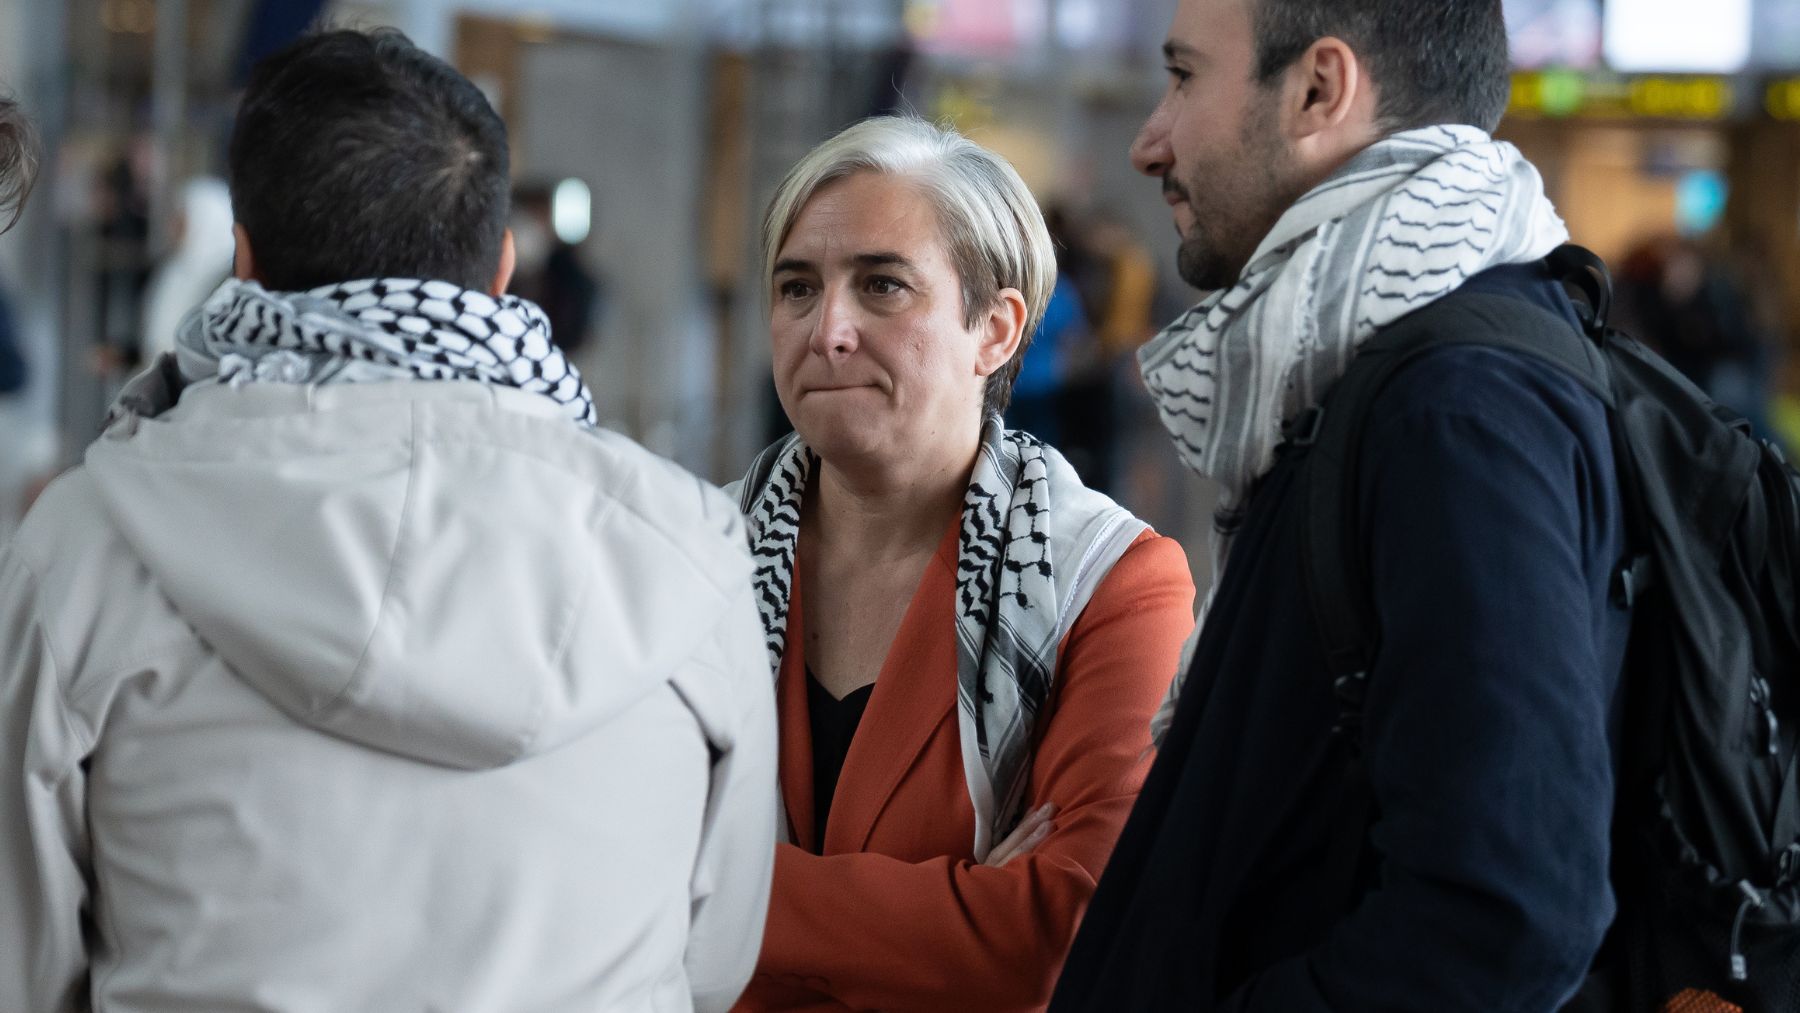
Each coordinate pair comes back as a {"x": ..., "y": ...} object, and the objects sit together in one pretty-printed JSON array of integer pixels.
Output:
[{"x": 355, "y": 669}]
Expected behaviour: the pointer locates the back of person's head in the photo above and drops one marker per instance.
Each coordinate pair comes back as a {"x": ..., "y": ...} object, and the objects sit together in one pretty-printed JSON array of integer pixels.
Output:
[
  {"x": 359, "y": 155},
  {"x": 1432, "y": 61},
  {"x": 18, "y": 161},
  {"x": 991, "y": 224}
]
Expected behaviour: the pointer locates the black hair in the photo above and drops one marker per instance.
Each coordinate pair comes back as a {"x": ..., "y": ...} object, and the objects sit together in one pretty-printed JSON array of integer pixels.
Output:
[
  {"x": 1432, "y": 61},
  {"x": 359, "y": 155},
  {"x": 18, "y": 161}
]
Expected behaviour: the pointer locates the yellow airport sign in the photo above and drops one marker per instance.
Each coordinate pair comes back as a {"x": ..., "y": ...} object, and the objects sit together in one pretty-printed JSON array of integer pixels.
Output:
[
  {"x": 1782, "y": 99},
  {"x": 1563, "y": 93}
]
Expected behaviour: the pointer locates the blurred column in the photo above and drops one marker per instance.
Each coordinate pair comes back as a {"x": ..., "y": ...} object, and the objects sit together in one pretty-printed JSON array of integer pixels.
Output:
[
  {"x": 1763, "y": 217},
  {"x": 168, "y": 108}
]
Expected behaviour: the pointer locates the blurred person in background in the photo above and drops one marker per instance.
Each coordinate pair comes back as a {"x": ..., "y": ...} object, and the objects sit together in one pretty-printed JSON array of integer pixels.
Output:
[
  {"x": 200, "y": 260},
  {"x": 120, "y": 203},
  {"x": 1444, "y": 843},
  {"x": 550, "y": 273},
  {"x": 1051, "y": 357},
  {"x": 1135, "y": 459},
  {"x": 1689, "y": 305},
  {"x": 966, "y": 641},
  {"x": 1125, "y": 319},
  {"x": 355, "y": 668},
  {"x": 1082, "y": 401},
  {"x": 1100, "y": 311}
]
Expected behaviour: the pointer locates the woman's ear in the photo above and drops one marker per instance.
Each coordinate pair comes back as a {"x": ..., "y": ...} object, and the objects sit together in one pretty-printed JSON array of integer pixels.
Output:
[
  {"x": 243, "y": 262},
  {"x": 1000, "y": 332}
]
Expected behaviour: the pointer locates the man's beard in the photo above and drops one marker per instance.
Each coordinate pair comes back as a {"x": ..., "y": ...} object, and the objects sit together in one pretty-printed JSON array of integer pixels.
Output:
[
  {"x": 1203, "y": 265},
  {"x": 1253, "y": 195}
]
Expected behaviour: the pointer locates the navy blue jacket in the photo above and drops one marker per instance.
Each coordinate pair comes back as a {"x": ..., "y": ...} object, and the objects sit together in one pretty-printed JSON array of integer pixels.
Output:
[{"x": 1492, "y": 523}]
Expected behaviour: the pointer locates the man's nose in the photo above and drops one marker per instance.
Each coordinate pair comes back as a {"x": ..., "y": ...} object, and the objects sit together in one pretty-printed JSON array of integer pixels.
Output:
[{"x": 1150, "y": 151}]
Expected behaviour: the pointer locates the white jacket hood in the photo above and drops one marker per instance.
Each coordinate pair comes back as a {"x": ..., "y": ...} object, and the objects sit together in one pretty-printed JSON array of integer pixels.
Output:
[{"x": 403, "y": 565}]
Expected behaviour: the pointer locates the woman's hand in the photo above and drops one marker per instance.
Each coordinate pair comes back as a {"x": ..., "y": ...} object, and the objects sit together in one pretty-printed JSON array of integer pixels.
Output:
[{"x": 1030, "y": 832}]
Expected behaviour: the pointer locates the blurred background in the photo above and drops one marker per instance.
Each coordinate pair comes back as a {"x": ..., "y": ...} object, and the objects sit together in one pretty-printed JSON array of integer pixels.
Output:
[{"x": 647, "y": 136}]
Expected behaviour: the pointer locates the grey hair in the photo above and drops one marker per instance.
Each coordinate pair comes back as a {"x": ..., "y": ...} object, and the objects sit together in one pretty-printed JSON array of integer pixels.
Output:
[
  {"x": 991, "y": 224},
  {"x": 18, "y": 161}
]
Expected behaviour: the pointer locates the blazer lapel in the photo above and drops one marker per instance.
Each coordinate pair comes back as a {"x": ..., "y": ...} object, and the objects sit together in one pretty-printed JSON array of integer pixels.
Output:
[{"x": 914, "y": 694}]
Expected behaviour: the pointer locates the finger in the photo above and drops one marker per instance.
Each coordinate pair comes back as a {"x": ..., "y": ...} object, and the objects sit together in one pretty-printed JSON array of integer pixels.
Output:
[
  {"x": 1028, "y": 826},
  {"x": 1037, "y": 837},
  {"x": 1031, "y": 840},
  {"x": 1036, "y": 817},
  {"x": 1032, "y": 821},
  {"x": 1015, "y": 841}
]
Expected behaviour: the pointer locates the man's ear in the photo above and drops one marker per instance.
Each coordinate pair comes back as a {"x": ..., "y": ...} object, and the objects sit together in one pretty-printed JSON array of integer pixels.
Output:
[
  {"x": 1330, "y": 100},
  {"x": 509, "y": 258},
  {"x": 243, "y": 261},
  {"x": 1000, "y": 332}
]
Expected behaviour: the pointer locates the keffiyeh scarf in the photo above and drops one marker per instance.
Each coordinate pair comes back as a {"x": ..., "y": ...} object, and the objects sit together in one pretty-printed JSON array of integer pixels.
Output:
[
  {"x": 1404, "y": 223},
  {"x": 375, "y": 330},
  {"x": 1033, "y": 546}
]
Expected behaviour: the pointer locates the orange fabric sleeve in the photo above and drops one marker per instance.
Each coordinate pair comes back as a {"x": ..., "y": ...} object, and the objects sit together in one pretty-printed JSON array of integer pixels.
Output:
[{"x": 876, "y": 932}]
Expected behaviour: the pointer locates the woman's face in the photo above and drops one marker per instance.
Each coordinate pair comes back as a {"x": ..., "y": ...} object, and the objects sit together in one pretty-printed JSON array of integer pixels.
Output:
[{"x": 871, "y": 356}]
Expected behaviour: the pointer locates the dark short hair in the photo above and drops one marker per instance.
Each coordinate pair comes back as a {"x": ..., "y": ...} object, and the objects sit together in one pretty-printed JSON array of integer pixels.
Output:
[
  {"x": 18, "y": 161},
  {"x": 359, "y": 155},
  {"x": 1432, "y": 61}
]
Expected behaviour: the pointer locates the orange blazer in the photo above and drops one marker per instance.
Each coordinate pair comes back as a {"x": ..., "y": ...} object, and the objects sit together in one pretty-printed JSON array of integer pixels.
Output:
[{"x": 890, "y": 911}]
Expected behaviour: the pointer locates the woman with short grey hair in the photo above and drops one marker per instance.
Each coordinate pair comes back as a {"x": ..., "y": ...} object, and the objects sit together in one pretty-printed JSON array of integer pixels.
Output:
[
  {"x": 18, "y": 161},
  {"x": 967, "y": 642}
]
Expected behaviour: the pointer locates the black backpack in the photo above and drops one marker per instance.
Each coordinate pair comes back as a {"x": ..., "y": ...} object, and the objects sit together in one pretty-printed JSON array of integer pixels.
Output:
[{"x": 1706, "y": 838}]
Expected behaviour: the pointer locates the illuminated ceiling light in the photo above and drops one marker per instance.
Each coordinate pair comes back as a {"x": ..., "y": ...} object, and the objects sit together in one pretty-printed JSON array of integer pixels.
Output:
[
  {"x": 1677, "y": 36},
  {"x": 572, "y": 211}
]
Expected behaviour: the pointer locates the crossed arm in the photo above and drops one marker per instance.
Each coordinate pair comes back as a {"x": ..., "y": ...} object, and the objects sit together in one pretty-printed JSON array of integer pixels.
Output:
[{"x": 869, "y": 931}]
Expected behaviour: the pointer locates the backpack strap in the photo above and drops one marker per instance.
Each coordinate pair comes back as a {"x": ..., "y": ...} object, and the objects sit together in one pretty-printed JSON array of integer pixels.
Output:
[
  {"x": 1583, "y": 270},
  {"x": 1336, "y": 574},
  {"x": 1331, "y": 436}
]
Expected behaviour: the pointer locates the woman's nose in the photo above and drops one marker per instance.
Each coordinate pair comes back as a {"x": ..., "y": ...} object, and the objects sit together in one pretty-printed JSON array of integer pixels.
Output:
[{"x": 835, "y": 329}]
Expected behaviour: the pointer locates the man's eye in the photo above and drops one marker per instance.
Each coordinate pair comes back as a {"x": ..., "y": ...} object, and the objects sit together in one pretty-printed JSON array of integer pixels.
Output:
[
  {"x": 1180, "y": 76},
  {"x": 884, "y": 286}
]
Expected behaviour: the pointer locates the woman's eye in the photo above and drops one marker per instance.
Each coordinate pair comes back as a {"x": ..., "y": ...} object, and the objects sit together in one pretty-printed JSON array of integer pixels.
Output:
[
  {"x": 794, "y": 289},
  {"x": 1177, "y": 75},
  {"x": 884, "y": 286}
]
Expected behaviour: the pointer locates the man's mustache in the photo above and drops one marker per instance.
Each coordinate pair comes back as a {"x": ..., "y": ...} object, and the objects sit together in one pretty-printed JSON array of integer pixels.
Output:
[{"x": 1171, "y": 186}]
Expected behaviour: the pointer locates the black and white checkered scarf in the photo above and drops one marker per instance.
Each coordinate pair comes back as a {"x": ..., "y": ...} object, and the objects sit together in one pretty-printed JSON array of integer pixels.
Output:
[
  {"x": 377, "y": 329},
  {"x": 1403, "y": 223},
  {"x": 1034, "y": 545}
]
